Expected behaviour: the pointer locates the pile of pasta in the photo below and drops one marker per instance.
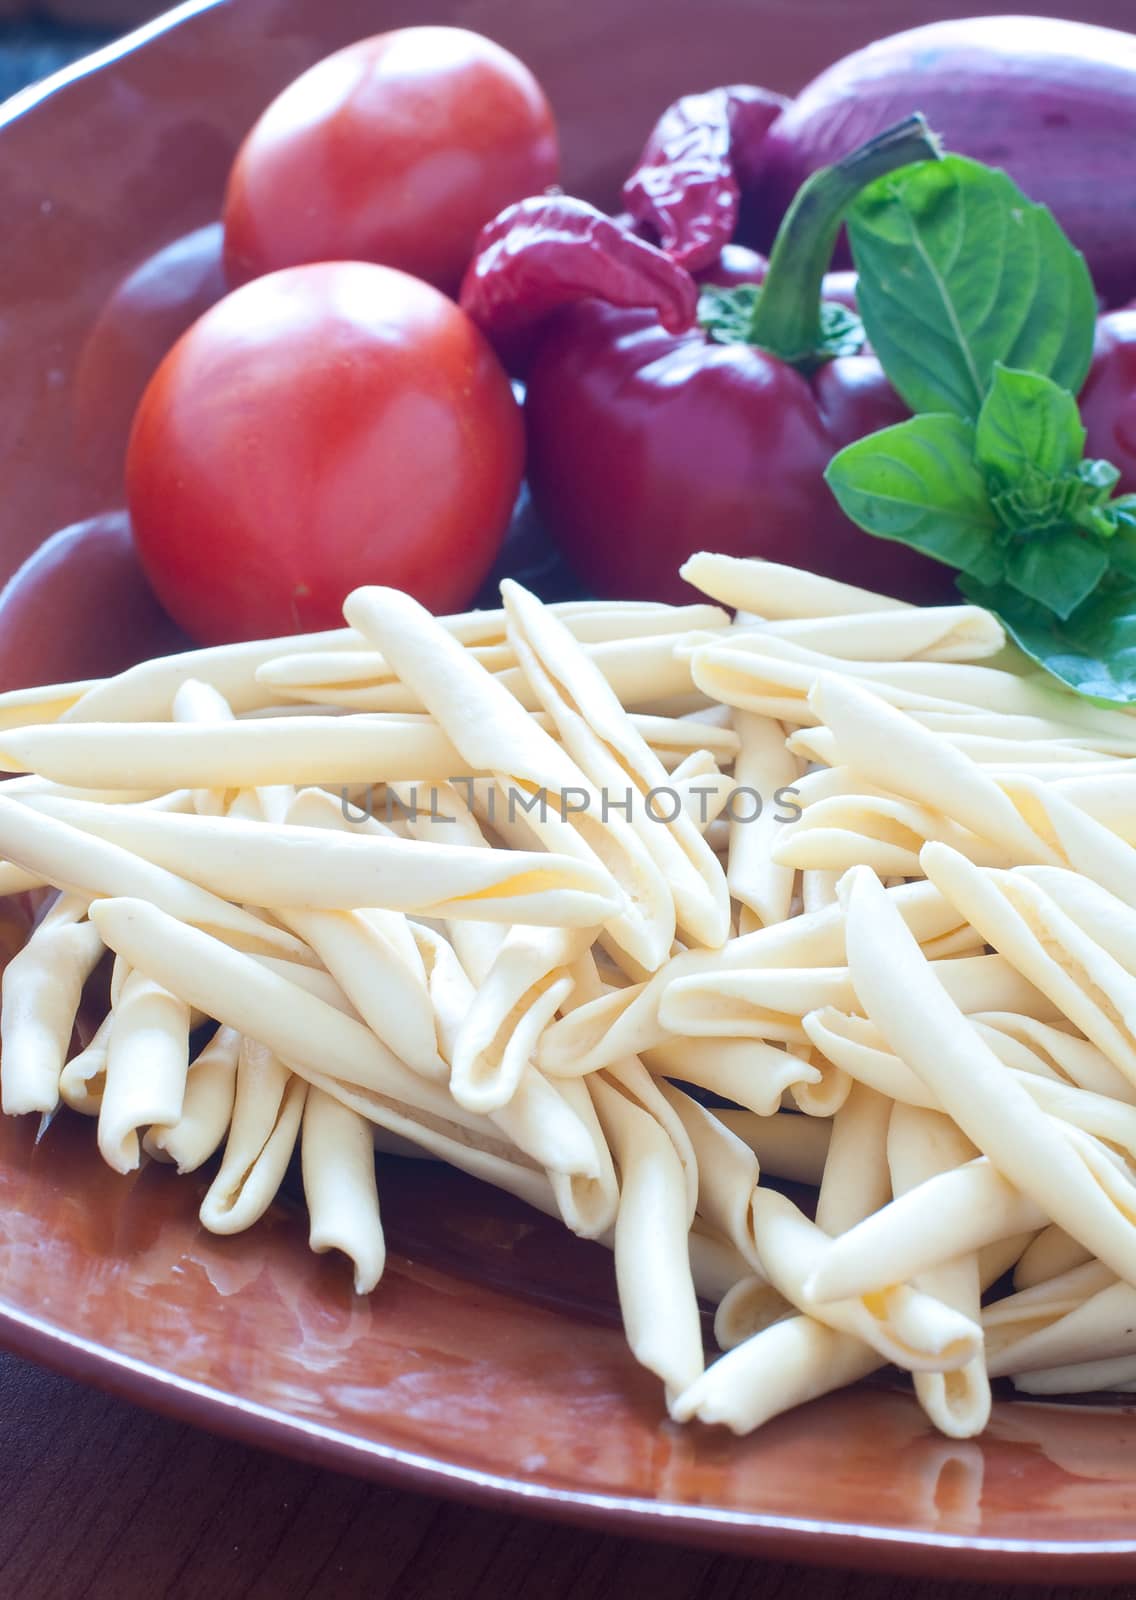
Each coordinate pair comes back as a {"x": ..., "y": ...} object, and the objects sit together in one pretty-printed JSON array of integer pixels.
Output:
[{"x": 633, "y": 911}]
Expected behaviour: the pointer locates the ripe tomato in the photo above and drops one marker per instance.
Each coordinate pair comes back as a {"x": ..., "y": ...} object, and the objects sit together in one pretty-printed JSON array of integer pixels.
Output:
[
  {"x": 397, "y": 150},
  {"x": 320, "y": 428}
]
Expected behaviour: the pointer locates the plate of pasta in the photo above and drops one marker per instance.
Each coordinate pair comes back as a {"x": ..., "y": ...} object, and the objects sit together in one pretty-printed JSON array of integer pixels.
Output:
[
  {"x": 779, "y": 945},
  {"x": 669, "y": 1066}
]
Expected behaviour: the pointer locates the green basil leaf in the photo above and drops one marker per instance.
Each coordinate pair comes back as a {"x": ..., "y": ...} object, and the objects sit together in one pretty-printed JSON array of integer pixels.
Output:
[
  {"x": 959, "y": 270},
  {"x": 1035, "y": 501},
  {"x": 1099, "y": 479},
  {"x": 1027, "y": 424},
  {"x": 1122, "y": 551},
  {"x": 1093, "y": 652},
  {"x": 917, "y": 483},
  {"x": 1057, "y": 568}
]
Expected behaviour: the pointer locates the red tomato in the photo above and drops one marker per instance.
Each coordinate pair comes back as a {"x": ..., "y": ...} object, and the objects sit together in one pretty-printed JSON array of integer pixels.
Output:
[
  {"x": 320, "y": 428},
  {"x": 398, "y": 150},
  {"x": 80, "y": 607}
]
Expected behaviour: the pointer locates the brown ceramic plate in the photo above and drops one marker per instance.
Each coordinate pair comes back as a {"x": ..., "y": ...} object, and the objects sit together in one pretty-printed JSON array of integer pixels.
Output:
[{"x": 490, "y": 1365}]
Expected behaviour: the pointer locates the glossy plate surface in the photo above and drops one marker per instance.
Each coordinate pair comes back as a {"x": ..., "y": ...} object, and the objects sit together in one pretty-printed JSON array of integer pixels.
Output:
[{"x": 490, "y": 1364}]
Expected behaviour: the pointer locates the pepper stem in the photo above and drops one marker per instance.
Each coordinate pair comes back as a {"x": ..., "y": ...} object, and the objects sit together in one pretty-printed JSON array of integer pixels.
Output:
[{"x": 786, "y": 318}]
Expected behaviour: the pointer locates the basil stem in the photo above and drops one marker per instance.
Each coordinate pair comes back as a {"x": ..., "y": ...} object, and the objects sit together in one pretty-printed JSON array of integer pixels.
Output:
[{"x": 787, "y": 315}]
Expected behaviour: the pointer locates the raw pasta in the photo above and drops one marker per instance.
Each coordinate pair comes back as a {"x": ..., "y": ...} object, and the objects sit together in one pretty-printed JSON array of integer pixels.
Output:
[{"x": 634, "y": 912}]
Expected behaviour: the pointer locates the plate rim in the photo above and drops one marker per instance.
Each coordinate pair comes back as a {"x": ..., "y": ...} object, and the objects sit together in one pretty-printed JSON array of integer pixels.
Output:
[{"x": 800, "y": 1540}]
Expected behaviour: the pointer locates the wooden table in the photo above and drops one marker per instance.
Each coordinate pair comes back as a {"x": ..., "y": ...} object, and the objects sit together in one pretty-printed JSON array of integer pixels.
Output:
[{"x": 102, "y": 1501}]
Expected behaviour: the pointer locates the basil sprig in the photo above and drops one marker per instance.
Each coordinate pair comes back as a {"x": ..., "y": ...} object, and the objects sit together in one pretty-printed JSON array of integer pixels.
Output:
[
  {"x": 982, "y": 315},
  {"x": 958, "y": 270}
]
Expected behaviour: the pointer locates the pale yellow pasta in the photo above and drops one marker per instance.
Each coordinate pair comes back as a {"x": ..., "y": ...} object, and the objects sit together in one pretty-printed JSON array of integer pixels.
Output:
[
  {"x": 20, "y": 708},
  {"x": 715, "y": 1265},
  {"x": 1017, "y": 1317},
  {"x": 90, "y": 867},
  {"x": 895, "y": 752},
  {"x": 652, "y": 1268},
  {"x": 206, "y": 1107},
  {"x": 83, "y": 1078},
  {"x": 786, "y": 1146},
  {"x": 41, "y": 988},
  {"x": 381, "y": 974},
  {"x": 1017, "y": 917},
  {"x": 238, "y": 755},
  {"x": 727, "y": 1174},
  {"x": 818, "y": 888},
  {"x": 753, "y": 1074},
  {"x": 636, "y": 1084},
  {"x": 936, "y": 687},
  {"x": 978, "y": 730},
  {"x": 516, "y": 890},
  {"x": 875, "y": 831},
  {"x": 956, "y": 1213},
  {"x": 1055, "y": 1166},
  {"x": 1101, "y": 1327},
  {"x": 596, "y": 732},
  {"x": 261, "y": 1004},
  {"x": 922, "y": 1144},
  {"x": 768, "y": 589},
  {"x": 748, "y": 1307},
  {"x": 770, "y": 1002},
  {"x": 703, "y": 799},
  {"x": 449, "y": 820},
  {"x": 1065, "y": 1054},
  {"x": 338, "y": 1163},
  {"x": 590, "y": 621},
  {"x": 912, "y": 1329},
  {"x": 536, "y": 1116},
  {"x": 484, "y": 1154},
  {"x": 1085, "y": 1377},
  {"x": 785, "y": 1365},
  {"x": 673, "y": 738},
  {"x": 146, "y": 1064},
  {"x": 267, "y": 1109},
  {"x": 1095, "y": 909},
  {"x": 766, "y": 767},
  {"x": 859, "y": 1048},
  {"x": 1051, "y": 1253},
  {"x": 586, "y": 1204},
  {"x": 925, "y": 633},
  {"x": 146, "y": 692},
  {"x": 519, "y": 995},
  {"x": 17, "y": 880},
  {"x": 628, "y": 1022},
  {"x": 349, "y": 677},
  {"x": 855, "y": 1182},
  {"x": 494, "y": 735},
  {"x": 293, "y": 868}
]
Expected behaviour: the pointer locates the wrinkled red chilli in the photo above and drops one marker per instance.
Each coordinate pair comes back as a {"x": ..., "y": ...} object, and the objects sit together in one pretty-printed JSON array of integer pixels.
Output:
[
  {"x": 552, "y": 251},
  {"x": 687, "y": 186}
]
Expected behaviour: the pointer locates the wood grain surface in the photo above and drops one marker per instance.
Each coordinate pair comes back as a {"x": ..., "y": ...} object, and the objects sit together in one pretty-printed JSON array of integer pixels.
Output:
[{"x": 102, "y": 1501}]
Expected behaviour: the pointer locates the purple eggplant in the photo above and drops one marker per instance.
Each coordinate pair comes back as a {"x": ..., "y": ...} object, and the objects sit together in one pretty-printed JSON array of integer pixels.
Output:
[{"x": 1052, "y": 102}]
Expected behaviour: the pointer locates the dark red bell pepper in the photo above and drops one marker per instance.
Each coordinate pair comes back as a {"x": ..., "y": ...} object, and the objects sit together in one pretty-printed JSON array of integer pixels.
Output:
[{"x": 646, "y": 443}]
